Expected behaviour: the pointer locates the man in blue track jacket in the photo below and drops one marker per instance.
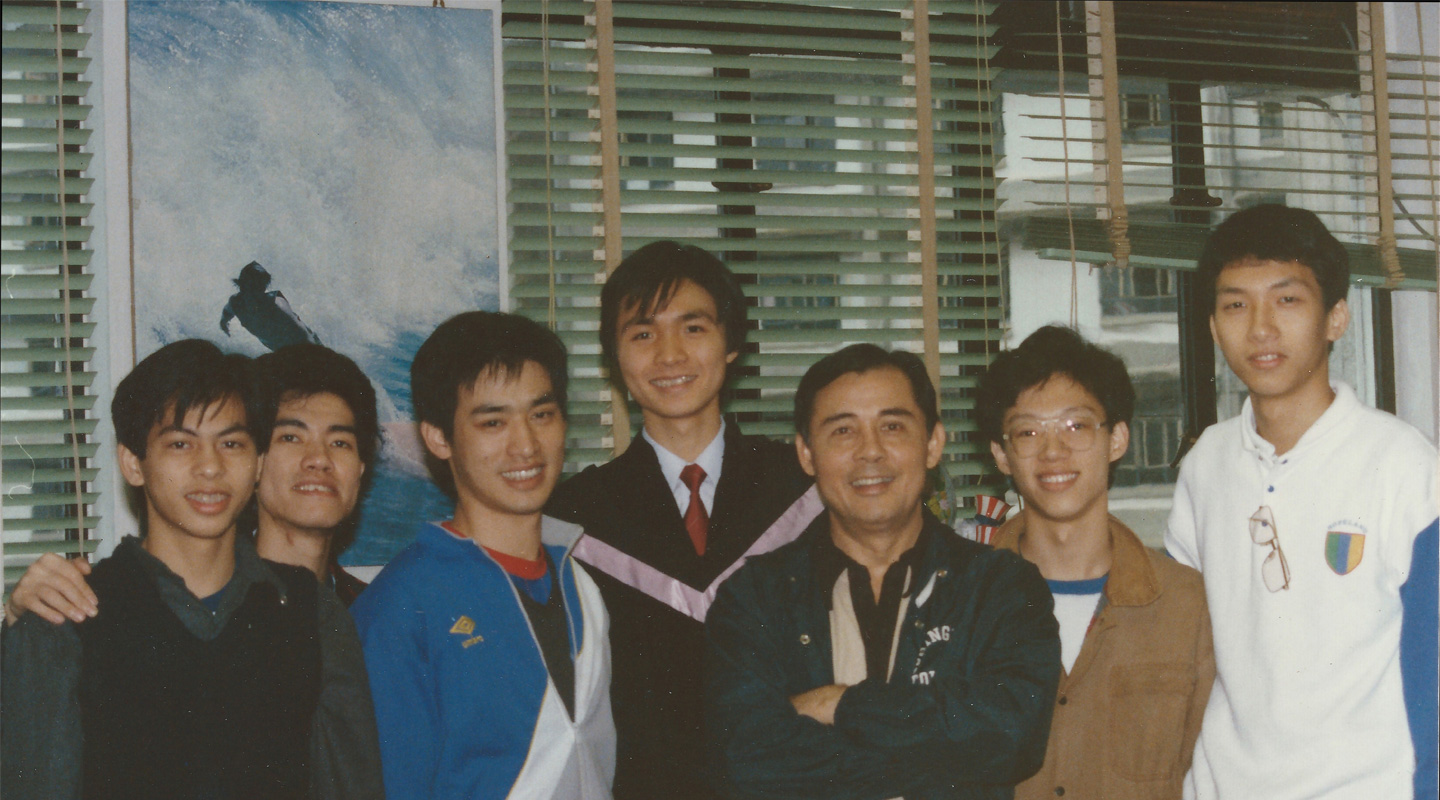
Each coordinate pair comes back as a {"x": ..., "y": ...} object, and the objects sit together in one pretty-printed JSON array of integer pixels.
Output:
[
  {"x": 487, "y": 645},
  {"x": 880, "y": 654}
]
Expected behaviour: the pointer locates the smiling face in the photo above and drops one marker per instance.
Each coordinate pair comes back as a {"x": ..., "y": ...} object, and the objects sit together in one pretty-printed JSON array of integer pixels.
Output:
[
  {"x": 506, "y": 450},
  {"x": 673, "y": 361},
  {"x": 197, "y": 475},
  {"x": 1272, "y": 325},
  {"x": 311, "y": 479},
  {"x": 1060, "y": 484},
  {"x": 868, "y": 450}
]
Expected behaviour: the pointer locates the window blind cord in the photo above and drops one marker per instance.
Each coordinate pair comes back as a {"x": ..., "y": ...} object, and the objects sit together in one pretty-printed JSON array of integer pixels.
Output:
[
  {"x": 994, "y": 193},
  {"x": 65, "y": 280},
  {"x": 1065, "y": 158},
  {"x": 1118, "y": 225},
  {"x": 1431, "y": 156},
  {"x": 606, "y": 112},
  {"x": 549, "y": 181},
  {"x": 982, "y": 64},
  {"x": 919, "y": 14},
  {"x": 1379, "y": 67}
]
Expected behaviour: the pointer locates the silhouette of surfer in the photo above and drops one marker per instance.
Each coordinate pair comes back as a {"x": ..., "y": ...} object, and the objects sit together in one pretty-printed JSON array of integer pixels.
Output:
[{"x": 268, "y": 315}]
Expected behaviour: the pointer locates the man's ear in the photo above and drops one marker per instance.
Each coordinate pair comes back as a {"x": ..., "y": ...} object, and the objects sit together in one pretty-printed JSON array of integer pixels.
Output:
[
  {"x": 731, "y": 356},
  {"x": 130, "y": 466},
  {"x": 1119, "y": 440},
  {"x": 1337, "y": 321},
  {"x": 435, "y": 441},
  {"x": 1002, "y": 461},
  {"x": 806, "y": 458},
  {"x": 935, "y": 447}
]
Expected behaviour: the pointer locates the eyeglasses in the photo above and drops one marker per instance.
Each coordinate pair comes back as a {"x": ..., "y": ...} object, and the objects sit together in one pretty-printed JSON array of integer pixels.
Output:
[
  {"x": 1077, "y": 432},
  {"x": 1275, "y": 571}
]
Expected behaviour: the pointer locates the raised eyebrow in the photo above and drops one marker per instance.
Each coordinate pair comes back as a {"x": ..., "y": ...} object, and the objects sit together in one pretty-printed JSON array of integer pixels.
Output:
[
  {"x": 898, "y": 411},
  {"x": 1076, "y": 410},
  {"x": 694, "y": 315},
  {"x": 833, "y": 418},
  {"x": 634, "y": 322},
  {"x": 544, "y": 399},
  {"x": 1063, "y": 413}
]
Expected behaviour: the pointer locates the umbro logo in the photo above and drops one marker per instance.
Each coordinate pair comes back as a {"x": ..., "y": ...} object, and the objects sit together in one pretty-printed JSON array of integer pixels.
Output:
[{"x": 465, "y": 627}]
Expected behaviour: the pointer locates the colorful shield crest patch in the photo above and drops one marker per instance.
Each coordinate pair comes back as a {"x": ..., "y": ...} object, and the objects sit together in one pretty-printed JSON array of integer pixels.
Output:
[{"x": 1343, "y": 551}]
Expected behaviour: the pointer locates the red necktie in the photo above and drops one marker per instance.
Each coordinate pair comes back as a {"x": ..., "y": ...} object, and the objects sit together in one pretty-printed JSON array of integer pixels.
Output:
[{"x": 697, "y": 522}]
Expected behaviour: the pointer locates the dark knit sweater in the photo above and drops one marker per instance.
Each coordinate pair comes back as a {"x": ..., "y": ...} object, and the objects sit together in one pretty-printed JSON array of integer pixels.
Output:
[{"x": 166, "y": 713}]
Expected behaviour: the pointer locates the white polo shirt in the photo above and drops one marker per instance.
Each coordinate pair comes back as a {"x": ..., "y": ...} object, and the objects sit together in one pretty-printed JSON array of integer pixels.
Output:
[{"x": 1308, "y": 699}]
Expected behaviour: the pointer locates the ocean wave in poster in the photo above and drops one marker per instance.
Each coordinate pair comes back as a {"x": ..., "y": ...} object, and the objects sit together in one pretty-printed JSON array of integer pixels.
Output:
[{"x": 348, "y": 148}]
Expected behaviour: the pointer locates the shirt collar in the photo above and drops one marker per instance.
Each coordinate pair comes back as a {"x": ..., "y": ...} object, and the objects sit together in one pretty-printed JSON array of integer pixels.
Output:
[
  {"x": 1132, "y": 580},
  {"x": 249, "y": 569},
  {"x": 710, "y": 459},
  {"x": 554, "y": 533},
  {"x": 830, "y": 561},
  {"x": 1345, "y": 401}
]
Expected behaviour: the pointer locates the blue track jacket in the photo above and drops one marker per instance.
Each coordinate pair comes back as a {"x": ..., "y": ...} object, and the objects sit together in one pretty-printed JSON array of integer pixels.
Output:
[{"x": 464, "y": 703}]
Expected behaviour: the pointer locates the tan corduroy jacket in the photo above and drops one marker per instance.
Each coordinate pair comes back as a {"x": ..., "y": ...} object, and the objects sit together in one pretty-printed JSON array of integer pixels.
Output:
[{"x": 1127, "y": 715}]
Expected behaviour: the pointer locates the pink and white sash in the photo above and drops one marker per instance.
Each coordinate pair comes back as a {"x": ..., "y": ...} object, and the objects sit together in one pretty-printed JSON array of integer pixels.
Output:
[{"x": 677, "y": 594}]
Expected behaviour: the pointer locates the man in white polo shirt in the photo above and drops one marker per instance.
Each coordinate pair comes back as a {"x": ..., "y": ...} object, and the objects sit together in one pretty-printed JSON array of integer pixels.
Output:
[{"x": 1310, "y": 517}]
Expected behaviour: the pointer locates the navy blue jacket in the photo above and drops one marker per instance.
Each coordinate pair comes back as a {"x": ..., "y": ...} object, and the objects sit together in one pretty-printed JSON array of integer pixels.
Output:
[{"x": 965, "y": 714}]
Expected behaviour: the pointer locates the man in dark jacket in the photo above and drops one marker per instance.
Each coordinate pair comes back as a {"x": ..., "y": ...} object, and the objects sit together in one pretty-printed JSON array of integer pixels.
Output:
[
  {"x": 208, "y": 671},
  {"x": 880, "y": 655},
  {"x": 671, "y": 517}
]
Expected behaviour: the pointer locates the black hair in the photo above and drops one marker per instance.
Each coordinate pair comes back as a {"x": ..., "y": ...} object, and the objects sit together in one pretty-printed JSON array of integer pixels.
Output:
[
  {"x": 303, "y": 370},
  {"x": 649, "y": 277},
  {"x": 472, "y": 343},
  {"x": 1053, "y": 350},
  {"x": 1275, "y": 233},
  {"x": 179, "y": 378},
  {"x": 859, "y": 358}
]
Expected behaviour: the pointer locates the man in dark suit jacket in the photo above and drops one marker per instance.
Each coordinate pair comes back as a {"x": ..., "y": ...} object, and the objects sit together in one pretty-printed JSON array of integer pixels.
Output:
[{"x": 662, "y": 534}]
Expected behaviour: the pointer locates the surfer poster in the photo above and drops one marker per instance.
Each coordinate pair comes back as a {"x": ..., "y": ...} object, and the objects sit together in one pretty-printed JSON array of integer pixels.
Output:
[{"x": 319, "y": 171}]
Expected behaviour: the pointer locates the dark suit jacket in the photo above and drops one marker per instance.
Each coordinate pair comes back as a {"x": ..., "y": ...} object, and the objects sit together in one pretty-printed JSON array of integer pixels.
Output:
[{"x": 657, "y": 652}]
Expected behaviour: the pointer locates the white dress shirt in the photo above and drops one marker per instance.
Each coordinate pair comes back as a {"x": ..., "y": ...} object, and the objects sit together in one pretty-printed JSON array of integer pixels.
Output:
[{"x": 710, "y": 460}]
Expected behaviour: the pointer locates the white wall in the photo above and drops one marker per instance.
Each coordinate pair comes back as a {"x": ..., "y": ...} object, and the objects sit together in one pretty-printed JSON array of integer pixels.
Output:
[{"x": 114, "y": 334}]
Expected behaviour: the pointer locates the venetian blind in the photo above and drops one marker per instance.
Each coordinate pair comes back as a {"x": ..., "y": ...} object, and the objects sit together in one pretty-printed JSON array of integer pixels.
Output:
[
  {"x": 47, "y": 420},
  {"x": 837, "y": 157},
  {"x": 1177, "y": 114}
]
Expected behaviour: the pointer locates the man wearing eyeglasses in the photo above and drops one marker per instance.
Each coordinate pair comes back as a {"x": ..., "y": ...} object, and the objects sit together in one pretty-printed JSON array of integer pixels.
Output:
[
  {"x": 1134, "y": 631},
  {"x": 1312, "y": 518}
]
